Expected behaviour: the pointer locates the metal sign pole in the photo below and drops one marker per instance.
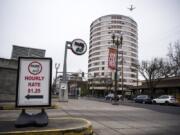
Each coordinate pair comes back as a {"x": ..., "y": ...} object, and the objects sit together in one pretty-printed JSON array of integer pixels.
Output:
[
  {"x": 78, "y": 47},
  {"x": 63, "y": 93}
]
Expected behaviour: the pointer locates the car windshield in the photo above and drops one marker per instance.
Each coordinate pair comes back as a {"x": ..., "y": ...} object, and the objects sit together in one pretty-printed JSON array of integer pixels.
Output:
[
  {"x": 164, "y": 96},
  {"x": 111, "y": 94}
]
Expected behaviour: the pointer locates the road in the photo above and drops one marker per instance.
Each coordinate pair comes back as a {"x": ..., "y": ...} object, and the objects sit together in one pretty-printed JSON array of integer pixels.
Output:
[
  {"x": 123, "y": 119},
  {"x": 126, "y": 119}
]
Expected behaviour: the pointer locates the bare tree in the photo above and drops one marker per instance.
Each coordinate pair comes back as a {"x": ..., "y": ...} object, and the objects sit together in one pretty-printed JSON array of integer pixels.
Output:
[
  {"x": 165, "y": 69},
  {"x": 152, "y": 72},
  {"x": 174, "y": 58}
]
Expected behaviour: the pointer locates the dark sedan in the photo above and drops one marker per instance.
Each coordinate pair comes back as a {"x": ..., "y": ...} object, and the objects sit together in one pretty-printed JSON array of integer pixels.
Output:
[{"x": 145, "y": 99}]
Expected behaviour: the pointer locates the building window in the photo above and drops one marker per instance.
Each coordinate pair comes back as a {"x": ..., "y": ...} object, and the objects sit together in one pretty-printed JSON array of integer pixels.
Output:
[{"x": 96, "y": 74}]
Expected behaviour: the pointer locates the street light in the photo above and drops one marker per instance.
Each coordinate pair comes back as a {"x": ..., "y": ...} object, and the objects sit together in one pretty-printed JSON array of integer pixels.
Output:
[
  {"x": 118, "y": 42},
  {"x": 57, "y": 65}
]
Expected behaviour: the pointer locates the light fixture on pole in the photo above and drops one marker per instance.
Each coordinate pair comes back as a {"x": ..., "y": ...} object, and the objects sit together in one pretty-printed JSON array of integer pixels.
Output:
[{"x": 117, "y": 41}]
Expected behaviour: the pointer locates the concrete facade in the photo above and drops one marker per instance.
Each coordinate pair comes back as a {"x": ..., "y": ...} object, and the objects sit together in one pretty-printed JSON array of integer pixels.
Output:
[
  {"x": 19, "y": 51},
  {"x": 8, "y": 70},
  {"x": 8, "y": 75}
]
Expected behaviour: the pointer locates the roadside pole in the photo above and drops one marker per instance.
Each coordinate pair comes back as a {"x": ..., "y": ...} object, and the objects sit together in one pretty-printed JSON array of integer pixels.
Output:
[{"x": 63, "y": 91}]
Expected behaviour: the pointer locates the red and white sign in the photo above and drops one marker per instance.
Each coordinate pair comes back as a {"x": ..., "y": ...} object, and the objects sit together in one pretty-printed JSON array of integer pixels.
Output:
[
  {"x": 34, "y": 82},
  {"x": 112, "y": 58},
  {"x": 35, "y": 68}
]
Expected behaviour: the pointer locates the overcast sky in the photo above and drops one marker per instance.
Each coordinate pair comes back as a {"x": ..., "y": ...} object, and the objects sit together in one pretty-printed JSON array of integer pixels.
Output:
[{"x": 48, "y": 24}]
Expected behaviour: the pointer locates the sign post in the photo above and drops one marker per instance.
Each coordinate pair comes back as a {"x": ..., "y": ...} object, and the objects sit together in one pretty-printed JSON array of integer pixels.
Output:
[
  {"x": 33, "y": 89},
  {"x": 78, "y": 47}
]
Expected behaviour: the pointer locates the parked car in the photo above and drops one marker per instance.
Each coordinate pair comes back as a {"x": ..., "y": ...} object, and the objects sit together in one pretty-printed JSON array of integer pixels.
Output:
[
  {"x": 119, "y": 97},
  {"x": 165, "y": 99},
  {"x": 110, "y": 96},
  {"x": 145, "y": 99}
]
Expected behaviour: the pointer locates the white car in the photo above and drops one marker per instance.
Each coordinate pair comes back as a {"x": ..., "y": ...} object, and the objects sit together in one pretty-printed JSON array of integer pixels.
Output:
[{"x": 165, "y": 99}]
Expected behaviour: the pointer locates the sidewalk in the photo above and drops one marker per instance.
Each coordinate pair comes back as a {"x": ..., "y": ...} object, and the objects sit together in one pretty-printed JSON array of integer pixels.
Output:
[
  {"x": 11, "y": 106},
  {"x": 64, "y": 126},
  {"x": 60, "y": 122}
]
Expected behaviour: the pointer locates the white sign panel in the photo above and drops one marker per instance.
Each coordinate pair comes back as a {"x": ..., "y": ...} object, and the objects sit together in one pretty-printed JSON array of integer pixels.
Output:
[{"x": 34, "y": 82}]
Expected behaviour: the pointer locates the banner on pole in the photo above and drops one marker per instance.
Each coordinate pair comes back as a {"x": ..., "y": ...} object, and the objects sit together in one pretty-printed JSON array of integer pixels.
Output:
[{"x": 112, "y": 58}]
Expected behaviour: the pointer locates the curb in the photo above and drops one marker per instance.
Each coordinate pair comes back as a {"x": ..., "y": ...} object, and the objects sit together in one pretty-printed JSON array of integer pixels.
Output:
[
  {"x": 11, "y": 106},
  {"x": 85, "y": 129}
]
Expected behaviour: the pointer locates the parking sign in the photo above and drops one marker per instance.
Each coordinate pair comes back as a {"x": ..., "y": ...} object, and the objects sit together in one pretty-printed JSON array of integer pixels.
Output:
[{"x": 34, "y": 82}]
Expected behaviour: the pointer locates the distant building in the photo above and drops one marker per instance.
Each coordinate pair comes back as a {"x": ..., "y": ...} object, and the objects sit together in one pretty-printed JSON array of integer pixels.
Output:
[
  {"x": 101, "y": 31},
  {"x": 19, "y": 51},
  {"x": 75, "y": 82},
  {"x": 166, "y": 86}
]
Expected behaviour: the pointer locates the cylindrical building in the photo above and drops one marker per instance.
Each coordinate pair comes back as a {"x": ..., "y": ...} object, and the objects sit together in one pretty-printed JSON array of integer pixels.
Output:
[{"x": 100, "y": 76}]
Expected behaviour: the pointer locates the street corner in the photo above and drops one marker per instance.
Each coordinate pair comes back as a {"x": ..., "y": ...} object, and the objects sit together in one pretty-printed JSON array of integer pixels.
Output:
[{"x": 56, "y": 126}]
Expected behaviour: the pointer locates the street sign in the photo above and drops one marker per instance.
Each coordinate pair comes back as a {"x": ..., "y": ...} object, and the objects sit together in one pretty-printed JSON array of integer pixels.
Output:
[
  {"x": 78, "y": 47},
  {"x": 34, "y": 82},
  {"x": 63, "y": 85}
]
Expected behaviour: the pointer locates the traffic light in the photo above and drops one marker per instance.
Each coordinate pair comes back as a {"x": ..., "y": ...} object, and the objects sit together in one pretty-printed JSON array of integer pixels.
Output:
[{"x": 82, "y": 74}]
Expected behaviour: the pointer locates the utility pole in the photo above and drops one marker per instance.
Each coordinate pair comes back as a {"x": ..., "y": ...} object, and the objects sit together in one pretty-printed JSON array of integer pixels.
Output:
[
  {"x": 122, "y": 77},
  {"x": 63, "y": 93}
]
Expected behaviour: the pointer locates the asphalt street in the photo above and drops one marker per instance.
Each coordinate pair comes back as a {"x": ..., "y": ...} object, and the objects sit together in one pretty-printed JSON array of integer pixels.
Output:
[{"x": 123, "y": 119}]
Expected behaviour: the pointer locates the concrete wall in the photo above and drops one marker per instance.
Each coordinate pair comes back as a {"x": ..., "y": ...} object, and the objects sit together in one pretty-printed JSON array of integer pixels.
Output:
[{"x": 8, "y": 75}]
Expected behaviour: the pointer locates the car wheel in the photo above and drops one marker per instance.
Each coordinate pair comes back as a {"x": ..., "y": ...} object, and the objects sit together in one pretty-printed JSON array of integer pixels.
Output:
[
  {"x": 166, "y": 103},
  {"x": 154, "y": 102}
]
